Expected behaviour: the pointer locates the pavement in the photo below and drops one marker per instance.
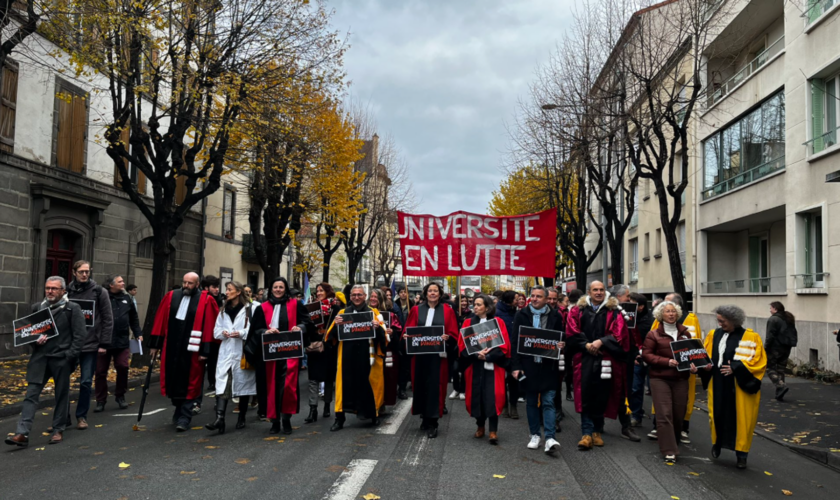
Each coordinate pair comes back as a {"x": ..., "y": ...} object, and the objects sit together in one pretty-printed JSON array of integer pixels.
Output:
[{"x": 393, "y": 461}]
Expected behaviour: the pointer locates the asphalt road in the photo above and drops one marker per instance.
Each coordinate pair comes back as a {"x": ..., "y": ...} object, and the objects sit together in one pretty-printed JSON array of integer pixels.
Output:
[{"x": 394, "y": 461}]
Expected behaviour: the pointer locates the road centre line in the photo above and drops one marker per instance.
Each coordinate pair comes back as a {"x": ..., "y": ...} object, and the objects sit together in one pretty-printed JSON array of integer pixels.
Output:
[
  {"x": 350, "y": 482},
  {"x": 395, "y": 422}
]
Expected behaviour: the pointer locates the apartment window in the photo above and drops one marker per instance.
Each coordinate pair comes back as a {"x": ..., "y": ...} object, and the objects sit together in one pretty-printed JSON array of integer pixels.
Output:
[
  {"x": 759, "y": 262},
  {"x": 647, "y": 246},
  {"x": 8, "y": 106},
  {"x": 816, "y": 9},
  {"x": 809, "y": 249},
  {"x": 825, "y": 108},
  {"x": 70, "y": 127},
  {"x": 228, "y": 211},
  {"x": 746, "y": 150},
  {"x": 634, "y": 260},
  {"x": 658, "y": 244},
  {"x": 138, "y": 178}
]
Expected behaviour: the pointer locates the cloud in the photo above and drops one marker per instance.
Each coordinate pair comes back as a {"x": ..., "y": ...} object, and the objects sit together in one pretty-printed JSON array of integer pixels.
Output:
[{"x": 443, "y": 78}]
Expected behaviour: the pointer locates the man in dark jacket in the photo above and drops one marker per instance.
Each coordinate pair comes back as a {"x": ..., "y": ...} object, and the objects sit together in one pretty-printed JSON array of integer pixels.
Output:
[
  {"x": 506, "y": 311},
  {"x": 542, "y": 376},
  {"x": 126, "y": 320},
  {"x": 781, "y": 338},
  {"x": 644, "y": 322},
  {"x": 98, "y": 336},
  {"x": 52, "y": 358}
]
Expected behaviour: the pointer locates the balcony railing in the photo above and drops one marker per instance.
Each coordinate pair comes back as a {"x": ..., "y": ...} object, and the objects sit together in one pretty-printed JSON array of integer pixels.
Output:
[
  {"x": 715, "y": 95},
  {"x": 634, "y": 272},
  {"x": 770, "y": 285},
  {"x": 817, "y": 9},
  {"x": 812, "y": 281},
  {"x": 747, "y": 177},
  {"x": 823, "y": 142}
]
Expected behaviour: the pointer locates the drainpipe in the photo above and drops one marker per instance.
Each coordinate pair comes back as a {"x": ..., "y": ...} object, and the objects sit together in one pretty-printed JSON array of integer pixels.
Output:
[{"x": 203, "y": 236}]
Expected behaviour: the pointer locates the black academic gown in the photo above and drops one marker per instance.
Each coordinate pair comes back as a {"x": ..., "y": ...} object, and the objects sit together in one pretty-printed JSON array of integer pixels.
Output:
[{"x": 429, "y": 372}]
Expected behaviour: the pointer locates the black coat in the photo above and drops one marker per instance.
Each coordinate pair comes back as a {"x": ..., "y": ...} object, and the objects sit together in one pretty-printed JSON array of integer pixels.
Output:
[
  {"x": 543, "y": 376},
  {"x": 61, "y": 349},
  {"x": 99, "y": 335},
  {"x": 126, "y": 320},
  {"x": 780, "y": 333}
]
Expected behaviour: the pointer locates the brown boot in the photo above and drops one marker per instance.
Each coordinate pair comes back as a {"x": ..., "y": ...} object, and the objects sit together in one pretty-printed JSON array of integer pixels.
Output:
[
  {"x": 479, "y": 433},
  {"x": 56, "y": 438},
  {"x": 596, "y": 439},
  {"x": 19, "y": 440},
  {"x": 494, "y": 438},
  {"x": 82, "y": 424},
  {"x": 585, "y": 443}
]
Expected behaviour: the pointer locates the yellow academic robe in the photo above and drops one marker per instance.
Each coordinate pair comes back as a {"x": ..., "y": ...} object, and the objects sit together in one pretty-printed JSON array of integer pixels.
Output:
[
  {"x": 693, "y": 324},
  {"x": 750, "y": 352},
  {"x": 377, "y": 367}
]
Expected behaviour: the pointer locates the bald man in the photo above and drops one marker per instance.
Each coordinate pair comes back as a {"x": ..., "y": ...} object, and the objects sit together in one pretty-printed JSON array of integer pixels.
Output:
[{"x": 184, "y": 332}]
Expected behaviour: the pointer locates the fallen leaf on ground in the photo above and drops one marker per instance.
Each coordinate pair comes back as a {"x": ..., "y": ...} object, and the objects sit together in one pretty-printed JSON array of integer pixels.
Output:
[
  {"x": 93, "y": 468},
  {"x": 787, "y": 493},
  {"x": 99, "y": 453},
  {"x": 768, "y": 473},
  {"x": 124, "y": 465},
  {"x": 242, "y": 461},
  {"x": 40, "y": 449},
  {"x": 694, "y": 473},
  {"x": 203, "y": 440},
  {"x": 43, "y": 434},
  {"x": 371, "y": 496},
  {"x": 187, "y": 472},
  {"x": 207, "y": 456},
  {"x": 135, "y": 428},
  {"x": 98, "y": 425},
  {"x": 197, "y": 428},
  {"x": 252, "y": 478},
  {"x": 498, "y": 476},
  {"x": 675, "y": 498},
  {"x": 211, "y": 447},
  {"x": 271, "y": 438}
]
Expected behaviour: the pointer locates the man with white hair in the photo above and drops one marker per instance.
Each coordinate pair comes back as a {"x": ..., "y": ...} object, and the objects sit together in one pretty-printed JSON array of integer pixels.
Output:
[
  {"x": 53, "y": 357},
  {"x": 183, "y": 331}
]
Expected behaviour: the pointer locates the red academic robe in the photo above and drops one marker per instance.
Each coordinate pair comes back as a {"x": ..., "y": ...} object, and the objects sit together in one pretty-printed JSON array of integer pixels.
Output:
[
  {"x": 290, "y": 404},
  {"x": 430, "y": 375},
  {"x": 181, "y": 370},
  {"x": 475, "y": 383}
]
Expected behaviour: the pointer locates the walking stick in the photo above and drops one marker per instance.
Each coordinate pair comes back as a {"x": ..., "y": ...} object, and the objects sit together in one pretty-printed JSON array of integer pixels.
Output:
[{"x": 145, "y": 390}]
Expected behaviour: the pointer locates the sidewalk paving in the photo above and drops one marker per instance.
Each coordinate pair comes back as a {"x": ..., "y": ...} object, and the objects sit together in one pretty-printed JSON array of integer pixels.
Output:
[{"x": 807, "y": 421}]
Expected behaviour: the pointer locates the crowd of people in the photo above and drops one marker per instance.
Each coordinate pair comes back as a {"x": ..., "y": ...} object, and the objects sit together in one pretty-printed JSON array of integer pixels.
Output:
[{"x": 608, "y": 364}]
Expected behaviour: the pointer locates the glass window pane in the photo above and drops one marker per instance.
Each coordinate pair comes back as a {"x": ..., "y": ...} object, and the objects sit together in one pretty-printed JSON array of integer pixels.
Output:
[
  {"x": 831, "y": 100},
  {"x": 732, "y": 151},
  {"x": 711, "y": 154},
  {"x": 751, "y": 137},
  {"x": 773, "y": 128}
]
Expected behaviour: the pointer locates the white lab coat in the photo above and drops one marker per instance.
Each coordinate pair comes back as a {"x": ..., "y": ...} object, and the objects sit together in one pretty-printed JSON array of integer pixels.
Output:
[{"x": 230, "y": 355}]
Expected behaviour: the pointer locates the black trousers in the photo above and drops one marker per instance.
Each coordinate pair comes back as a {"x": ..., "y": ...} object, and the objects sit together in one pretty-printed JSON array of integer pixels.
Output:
[{"x": 405, "y": 371}]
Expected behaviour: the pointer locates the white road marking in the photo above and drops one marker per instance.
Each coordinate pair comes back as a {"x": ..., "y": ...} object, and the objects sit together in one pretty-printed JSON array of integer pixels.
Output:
[
  {"x": 350, "y": 482},
  {"x": 134, "y": 414},
  {"x": 395, "y": 421}
]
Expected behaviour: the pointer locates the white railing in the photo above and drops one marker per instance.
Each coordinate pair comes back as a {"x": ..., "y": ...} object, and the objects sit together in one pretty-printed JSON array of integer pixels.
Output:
[
  {"x": 715, "y": 95},
  {"x": 769, "y": 285}
]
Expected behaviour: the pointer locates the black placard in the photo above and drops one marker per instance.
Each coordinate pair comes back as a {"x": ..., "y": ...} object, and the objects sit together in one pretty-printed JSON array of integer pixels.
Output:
[
  {"x": 690, "y": 351},
  {"x": 424, "y": 340},
  {"x": 539, "y": 342},
  {"x": 630, "y": 311},
  {"x": 29, "y": 329},
  {"x": 282, "y": 345},
  {"x": 356, "y": 326},
  {"x": 88, "y": 309},
  {"x": 316, "y": 314},
  {"x": 482, "y": 336}
]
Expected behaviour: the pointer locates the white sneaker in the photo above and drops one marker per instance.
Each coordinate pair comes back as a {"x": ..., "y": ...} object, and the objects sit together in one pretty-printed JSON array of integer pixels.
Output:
[
  {"x": 453, "y": 395},
  {"x": 520, "y": 400},
  {"x": 652, "y": 434},
  {"x": 535, "y": 442},
  {"x": 684, "y": 438},
  {"x": 551, "y": 445},
  {"x": 462, "y": 396}
]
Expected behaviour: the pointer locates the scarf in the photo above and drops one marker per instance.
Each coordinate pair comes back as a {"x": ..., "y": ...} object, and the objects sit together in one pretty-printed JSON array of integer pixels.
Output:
[
  {"x": 536, "y": 322},
  {"x": 78, "y": 287},
  {"x": 232, "y": 311},
  {"x": 59, "y": 304}
]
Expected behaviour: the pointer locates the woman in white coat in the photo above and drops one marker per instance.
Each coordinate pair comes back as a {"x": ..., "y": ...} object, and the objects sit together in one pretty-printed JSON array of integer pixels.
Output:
[{"x": 232, "y": 381}]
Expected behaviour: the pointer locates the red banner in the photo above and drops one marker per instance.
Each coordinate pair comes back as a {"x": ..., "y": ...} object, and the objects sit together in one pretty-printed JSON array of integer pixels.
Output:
[{"x": 465, "y": 244}]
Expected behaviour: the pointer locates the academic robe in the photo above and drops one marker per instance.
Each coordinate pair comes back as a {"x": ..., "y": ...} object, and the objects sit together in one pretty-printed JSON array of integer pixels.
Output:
[
  {"x": 429, "y": 372},
  {"x": 734, "y": 400},
  {"x": 691, "y": 322},
  {"x": 485, "y": 388},
  {"x": 283, "y": 391},
  {"x": 593, "y": 394},
  {"x": 392, "y": 361},
  {"x": 359, "y": 379},
  {"x": 322, "y": 365},
  {"x": 181, "y": 370}
]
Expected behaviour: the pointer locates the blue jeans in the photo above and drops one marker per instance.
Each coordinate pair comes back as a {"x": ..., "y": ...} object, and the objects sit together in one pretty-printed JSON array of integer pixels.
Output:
[
  {"x": 546, "y": 399},
  {"x": 87, "y": 367},
  {"x": 637, "y": 395},
  {"x": 591, "y": 423}
]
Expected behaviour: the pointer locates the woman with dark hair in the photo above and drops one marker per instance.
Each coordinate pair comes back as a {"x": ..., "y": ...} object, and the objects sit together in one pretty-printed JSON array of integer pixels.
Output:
[
  {"x": 485, "y": 372},
  {"x": 280, "y": 313},
  {"x": 322, "y": 356},
  {"x": 429, "y": 373},
  {"x": 781, "y": 338},
  {"x": 393, "y": 334}
]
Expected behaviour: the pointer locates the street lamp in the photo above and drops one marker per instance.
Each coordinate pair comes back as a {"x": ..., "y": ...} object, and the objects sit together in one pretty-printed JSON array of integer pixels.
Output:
[{"x": 549, "y": 107}]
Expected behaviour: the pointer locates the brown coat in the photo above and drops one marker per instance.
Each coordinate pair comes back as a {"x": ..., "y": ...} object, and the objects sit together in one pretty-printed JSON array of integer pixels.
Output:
[{"x": 657, "y": 353}]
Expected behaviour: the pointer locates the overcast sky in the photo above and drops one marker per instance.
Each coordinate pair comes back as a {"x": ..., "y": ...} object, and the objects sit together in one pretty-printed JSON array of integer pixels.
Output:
[{"x": 443, "y": 77}]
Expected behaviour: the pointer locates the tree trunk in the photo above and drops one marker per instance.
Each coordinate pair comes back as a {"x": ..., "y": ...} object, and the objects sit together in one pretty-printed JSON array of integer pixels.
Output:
[
  {"x": 669, "y": 230},
  {"x": 160, "y": 284},
  {"x": 617, "y": 269},
  {"x": 327, "y": 259},
  {"x": 352, "y": 266}
]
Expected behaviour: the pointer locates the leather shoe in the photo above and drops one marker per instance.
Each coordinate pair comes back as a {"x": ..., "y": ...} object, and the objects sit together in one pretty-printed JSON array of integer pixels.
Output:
[
  {"x": 402, "y": 395},
  {"x": 494, "y": 438},
  {"x": 19, "y": 440},
  {"x": 715, "y": 451},
  {"x": 121, "y": 403},
  {"x": 514, "y": 413},
  {"x": 100, "y": 407},
  {"x": 82, "y": 423},
  {"x": 479, "y": 433},
  {"x": 432, "y": 433},
  {"x": 585, "y": 443},
  {"x": 57, "y": 438},
  {"x": 275, "y": 427},
  {"x": 287, "y": 426},
  {"x": 374, "y": 421},
  {"x": 742, "y": 463},
  {"x": 596, "y": 439},
  {"x": 337, "y": 426},
  {"x": 445, "y": 410},
  {"x": 182, "y": 426},
  {"x": 629, "y": 433}
]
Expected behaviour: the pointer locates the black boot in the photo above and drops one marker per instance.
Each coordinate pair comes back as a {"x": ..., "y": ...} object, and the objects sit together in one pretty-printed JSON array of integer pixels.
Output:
[
  {"x": 339, "y": 422},
  {"x": 243, "y": 410},
  {"x": 313, "y": 415},
  {"x": 287, "y": 425},
  {"x": 219, "y": 423},
  {"x": 326, "y": 409},
  {"x": 275, "y": 426}
]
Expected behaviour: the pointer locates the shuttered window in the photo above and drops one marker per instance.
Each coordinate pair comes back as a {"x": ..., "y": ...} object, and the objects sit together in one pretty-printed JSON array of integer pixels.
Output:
[
  {"x": 138, "y": 178},
  {"x": 70, "y": 127},
  {"x": 8, "y": 107}
]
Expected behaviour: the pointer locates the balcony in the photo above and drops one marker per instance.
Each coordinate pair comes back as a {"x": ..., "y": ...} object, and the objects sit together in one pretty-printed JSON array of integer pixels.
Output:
[
  {"x": 717, "y": 94},
  {"x": 774, "y": 285},
  {"x": 745, "y": 178},
  {"x": 822, "y": 143},
  {"x": 816, "y": 10}
]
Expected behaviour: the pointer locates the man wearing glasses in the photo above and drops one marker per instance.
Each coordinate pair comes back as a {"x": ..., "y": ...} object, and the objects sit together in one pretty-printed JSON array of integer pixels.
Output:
[
  {"x": 54, "y": 358},
  {"x": 98, "y": 336}
]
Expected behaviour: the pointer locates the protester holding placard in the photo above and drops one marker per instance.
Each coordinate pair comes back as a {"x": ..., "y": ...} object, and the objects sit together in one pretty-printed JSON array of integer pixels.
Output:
[
  {"x": 126, "y": 322},
  {"x": 280, "y": 313},
  {"x": 359, "y": 382},
  {"x": 542, "y": 375},
  {"x": 430, "y": 373},
  {"x": 322, "y": 355},
  {"x": 98, "y": 338},
  {"x": 232, "y": 380},
  {"x": 668, "y": 386},
  {"x": 485, "y": 371},
  {"x": 597, "y": 336},
  {"x": 52, "y": 356},
  {"x": 738, "y": 365}
]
